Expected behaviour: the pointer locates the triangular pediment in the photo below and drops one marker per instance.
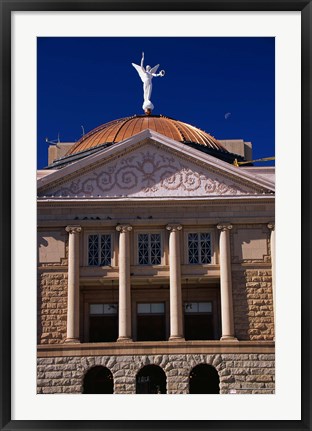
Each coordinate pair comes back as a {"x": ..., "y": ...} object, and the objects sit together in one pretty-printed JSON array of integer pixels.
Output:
[{"x": 148, "y": 166}]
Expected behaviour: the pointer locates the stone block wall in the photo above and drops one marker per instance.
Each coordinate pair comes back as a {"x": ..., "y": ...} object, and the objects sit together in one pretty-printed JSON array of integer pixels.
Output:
[
  {"x": 238, "y": 373},
  {"x": 253, "y": 305},
  {"x": 52, "y": 307}
]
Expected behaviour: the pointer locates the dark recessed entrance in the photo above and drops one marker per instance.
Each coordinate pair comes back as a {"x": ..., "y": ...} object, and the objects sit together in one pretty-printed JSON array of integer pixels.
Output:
[
  {"x": 151, "y": 379},
  {"x": 198, "y": 321},
  {"x": 98, "y": 380},
  {"x": 103, "y": 323},
  {"x": 204, "y": 379},
  {"x": 103, "y": 329},
  {"x": 151, "y": 322}
]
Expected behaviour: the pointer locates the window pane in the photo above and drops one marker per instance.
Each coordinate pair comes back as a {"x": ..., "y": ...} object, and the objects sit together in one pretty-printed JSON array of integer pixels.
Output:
[
  {"x": 93, "y": 250},
  {"x": 193, "y": 252},
  {"x": 106, "y": 249},
  {"x": 143, "y": 249},
  {"x": 155, "y": 246},
  {"x": 191, "y": 307},
  {"x": 144, "y": 308},
  {"x": 96, "y": 308},
  {"x": 158, "y": 308},
  {"x": 110, "y": 308},
  {"x": 205, "y": 307},
  {"x": 205, "y": 248},
  {"x": 149, "y": 249}
]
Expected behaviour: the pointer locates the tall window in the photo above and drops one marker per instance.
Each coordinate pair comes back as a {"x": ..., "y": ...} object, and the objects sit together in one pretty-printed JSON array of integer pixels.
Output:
[
  {"x": 199, "y": 247},
  {"x": 149, "y": 249},
  {"x": 99, "y": 250}
]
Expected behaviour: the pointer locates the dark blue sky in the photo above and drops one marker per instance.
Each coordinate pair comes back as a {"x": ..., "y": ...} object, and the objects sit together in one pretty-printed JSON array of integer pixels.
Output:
[{"x": 90, "y": 81}]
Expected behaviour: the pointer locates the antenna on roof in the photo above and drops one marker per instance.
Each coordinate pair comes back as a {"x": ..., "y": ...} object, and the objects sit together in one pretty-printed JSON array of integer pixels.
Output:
[
  {"x": 54, "y": 142},
  {"x": 83, "y": 131}
]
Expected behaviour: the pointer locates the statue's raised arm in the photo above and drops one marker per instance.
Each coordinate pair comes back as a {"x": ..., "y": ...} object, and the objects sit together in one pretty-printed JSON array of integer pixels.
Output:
[{"x": 146, "y": 75}]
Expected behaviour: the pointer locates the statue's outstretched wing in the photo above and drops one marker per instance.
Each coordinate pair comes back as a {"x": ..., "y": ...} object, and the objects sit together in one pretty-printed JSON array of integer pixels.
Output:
[
  {"x": 139, "y": 70},
  {"x": 154, "y": 69}
]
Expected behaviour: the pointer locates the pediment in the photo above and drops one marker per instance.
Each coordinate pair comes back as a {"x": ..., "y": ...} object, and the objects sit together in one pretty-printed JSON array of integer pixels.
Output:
[{"x": 148, "y": 169}]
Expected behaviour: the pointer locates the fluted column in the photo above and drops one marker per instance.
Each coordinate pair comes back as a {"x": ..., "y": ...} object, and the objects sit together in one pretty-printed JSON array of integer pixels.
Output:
[
  {"x": 227, "y": 315},
  {"x": 72, "y": 335},
  {"x": 176, "y": 317},
  {"x": 271, "y": 226},
  {"x": 124, "y": 333}
]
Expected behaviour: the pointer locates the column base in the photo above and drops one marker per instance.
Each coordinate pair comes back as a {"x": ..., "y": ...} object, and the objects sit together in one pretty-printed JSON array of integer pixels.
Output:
[
  {"x": 176, "y": 338},
  {"x": 72, "y": 340},
  {"x": 228, "y": 338},
  {"x": 124, "y": 340}
]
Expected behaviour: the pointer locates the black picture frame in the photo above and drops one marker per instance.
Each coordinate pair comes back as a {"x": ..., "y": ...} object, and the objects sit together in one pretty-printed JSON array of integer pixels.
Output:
[{"x": 7, "y": 7}]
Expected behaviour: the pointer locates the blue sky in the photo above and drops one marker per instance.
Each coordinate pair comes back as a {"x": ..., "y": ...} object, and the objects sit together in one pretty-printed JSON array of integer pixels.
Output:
[{"x": 90, "y": 81}]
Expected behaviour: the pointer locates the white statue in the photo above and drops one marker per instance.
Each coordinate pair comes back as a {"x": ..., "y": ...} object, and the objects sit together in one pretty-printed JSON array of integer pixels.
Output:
[{"x": 146, "y": 75}]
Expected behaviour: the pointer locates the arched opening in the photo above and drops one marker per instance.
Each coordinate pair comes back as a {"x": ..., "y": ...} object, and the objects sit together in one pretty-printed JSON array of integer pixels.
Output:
[
  {"x": 151, "y": 379},
  {"x": 204, "y": 379},
  {"x": 98, "y": 380}
]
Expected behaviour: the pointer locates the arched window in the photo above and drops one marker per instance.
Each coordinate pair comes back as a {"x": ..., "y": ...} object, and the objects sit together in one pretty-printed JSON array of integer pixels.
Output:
[
  {"x": 98, "y": 380},
  {"x": 204, "y": 379},
  {"x": 151, "y": 379}
]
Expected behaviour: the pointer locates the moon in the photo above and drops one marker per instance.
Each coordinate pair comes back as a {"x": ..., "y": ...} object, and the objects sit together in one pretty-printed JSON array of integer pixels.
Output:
[{"x": 227, "y": 115}]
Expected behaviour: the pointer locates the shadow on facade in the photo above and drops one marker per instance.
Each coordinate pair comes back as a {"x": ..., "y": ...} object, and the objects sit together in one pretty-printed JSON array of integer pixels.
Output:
[
  {"x": 98, "y": 380},
  {"x": 204, "y": 379}
]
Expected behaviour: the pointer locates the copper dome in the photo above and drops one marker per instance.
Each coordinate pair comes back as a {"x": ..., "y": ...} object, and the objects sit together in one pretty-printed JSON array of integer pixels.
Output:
[{"x": 119, "y": 130}]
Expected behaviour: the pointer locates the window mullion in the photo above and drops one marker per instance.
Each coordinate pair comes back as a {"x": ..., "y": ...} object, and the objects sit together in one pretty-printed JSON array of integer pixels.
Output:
[{"x": 99, "y": 249}]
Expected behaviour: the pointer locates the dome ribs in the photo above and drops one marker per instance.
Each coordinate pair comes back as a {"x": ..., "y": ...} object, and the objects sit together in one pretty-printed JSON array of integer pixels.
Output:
[
  {"x": 138, "y": 125},
  {"x": 188, "y": 134},
  {"x": 170, "y": 130},
  {"x": 88, "y": 140},
  {"x": 200, "y": 137},
  {"x": 126, "y": 120},
  {"x": 123, "y": 128},
  {"x": 161, "y": 128}
]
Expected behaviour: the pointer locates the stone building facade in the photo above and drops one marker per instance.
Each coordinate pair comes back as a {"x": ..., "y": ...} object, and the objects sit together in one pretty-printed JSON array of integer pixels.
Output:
[{"x": 155, "y": 265}]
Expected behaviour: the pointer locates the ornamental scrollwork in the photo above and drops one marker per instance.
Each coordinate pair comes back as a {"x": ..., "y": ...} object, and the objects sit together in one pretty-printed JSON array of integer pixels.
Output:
[{"x": 147, "y": 172}]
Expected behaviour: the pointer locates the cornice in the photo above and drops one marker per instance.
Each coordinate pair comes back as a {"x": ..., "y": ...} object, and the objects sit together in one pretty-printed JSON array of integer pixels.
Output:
[
  {"x": 160, "y": 347},
  {"x": 152, "y": 202},
  {"x": 189, "y": 222}
]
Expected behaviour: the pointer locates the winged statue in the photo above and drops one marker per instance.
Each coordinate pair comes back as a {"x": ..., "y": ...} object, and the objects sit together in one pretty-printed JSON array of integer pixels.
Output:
[{"x": 146, "y": 75}]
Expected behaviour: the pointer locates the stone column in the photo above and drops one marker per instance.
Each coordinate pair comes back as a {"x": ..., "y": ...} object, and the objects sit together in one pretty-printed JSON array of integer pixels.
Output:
[
  {"x": 271, "y": 226},
  {"x": 124, "y": 333},
  {"x": 72, "y": 335},
  {"x": 176, "y": 318},
  {"x": 227, "y": 315}
]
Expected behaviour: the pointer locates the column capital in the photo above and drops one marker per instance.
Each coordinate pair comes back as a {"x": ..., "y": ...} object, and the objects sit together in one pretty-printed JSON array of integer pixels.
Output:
[
  {"x": 174, "y": 227},
  {"x": 73, "y": 229},
  {"x": 271, "y": 225},
  {"x": 224, "y": 226},
  {"x": 123, "y": 228}
]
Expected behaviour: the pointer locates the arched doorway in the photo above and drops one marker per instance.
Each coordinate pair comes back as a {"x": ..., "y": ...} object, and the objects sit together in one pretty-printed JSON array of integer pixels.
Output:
[
  {"x": 98, "y": 380},
  {"x": 151, "y": 379},
  {"x": 204, "y": 379}
]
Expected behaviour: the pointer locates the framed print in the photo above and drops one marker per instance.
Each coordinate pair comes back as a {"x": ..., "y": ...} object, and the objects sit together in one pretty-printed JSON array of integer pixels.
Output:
[{"x": 154, "y": 157}]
